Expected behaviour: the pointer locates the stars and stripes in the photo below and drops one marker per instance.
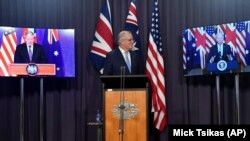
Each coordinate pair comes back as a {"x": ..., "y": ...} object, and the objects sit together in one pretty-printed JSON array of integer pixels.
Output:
[
  {"x": 132, "y": 25},
  {"x": 241, "y": 42},
  {"x": 210, "y": 37},
  {"x": 155, "y": 70},
  {"x": 103, "y": 40},
  {"x": 7, "y": 51}
]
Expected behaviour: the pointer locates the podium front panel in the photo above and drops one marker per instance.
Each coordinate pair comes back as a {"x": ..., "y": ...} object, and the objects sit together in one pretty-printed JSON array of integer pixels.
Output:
[{"x": 135, "y": 115}]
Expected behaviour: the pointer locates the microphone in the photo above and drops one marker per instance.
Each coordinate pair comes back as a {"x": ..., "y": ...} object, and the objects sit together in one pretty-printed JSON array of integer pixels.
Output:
[{"x": 121, "y": 105}]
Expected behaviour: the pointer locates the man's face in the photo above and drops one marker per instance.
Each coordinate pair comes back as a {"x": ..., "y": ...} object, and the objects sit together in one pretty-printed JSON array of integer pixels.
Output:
[
  {"x": 29, "y": 39},
  {"x": 127, "y": 42},
  {"x": 220, "y": 39}
]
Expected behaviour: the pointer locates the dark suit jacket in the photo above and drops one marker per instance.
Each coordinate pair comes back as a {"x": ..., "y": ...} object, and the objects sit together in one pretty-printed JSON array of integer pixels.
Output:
[
  {"x": 22, "y": 56},
  {"x": 214, "y": 52},
  {"x": 114, "y": 62}
]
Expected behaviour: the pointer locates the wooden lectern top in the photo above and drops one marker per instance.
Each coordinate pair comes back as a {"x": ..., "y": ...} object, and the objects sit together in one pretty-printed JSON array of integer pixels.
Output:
[{"x": 131, "y": 81}]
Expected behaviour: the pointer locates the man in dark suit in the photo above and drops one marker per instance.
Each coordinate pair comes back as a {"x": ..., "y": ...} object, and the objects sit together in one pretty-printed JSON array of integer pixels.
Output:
[
  {"x": 220, "y": 51},
  {"x": 123, "y": 57},
  {"x": 29, "y": 52}
]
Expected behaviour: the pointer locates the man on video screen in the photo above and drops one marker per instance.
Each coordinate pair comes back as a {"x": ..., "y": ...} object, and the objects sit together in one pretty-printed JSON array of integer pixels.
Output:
[
  {"x": 220, "y": 51},
  {"x": 30, "y": 52}
]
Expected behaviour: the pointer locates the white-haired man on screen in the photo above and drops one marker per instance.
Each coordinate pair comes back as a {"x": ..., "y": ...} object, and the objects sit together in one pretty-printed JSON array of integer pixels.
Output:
[
  {"x": 220, "y": 51},
  {"x": 30, "y": 52}
]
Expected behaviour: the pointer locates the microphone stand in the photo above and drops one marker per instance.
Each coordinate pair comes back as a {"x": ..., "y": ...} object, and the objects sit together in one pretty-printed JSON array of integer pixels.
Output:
[{"x": 121, "y": 105}]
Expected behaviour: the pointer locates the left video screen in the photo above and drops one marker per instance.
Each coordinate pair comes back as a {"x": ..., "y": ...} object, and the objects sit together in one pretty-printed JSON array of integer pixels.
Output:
[{"x": 40, "y": 52}]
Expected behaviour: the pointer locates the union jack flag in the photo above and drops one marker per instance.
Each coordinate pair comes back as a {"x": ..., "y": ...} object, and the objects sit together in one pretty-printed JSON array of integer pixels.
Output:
[
  {"x": 201, "y": 46},
  {"x": 103, "y": 40},
  {"x": 155, "y": 70},
  {"x": 7, "y": 51},
  {"x": 132, "y": 25},
  {"x": 25, "y": 30}
]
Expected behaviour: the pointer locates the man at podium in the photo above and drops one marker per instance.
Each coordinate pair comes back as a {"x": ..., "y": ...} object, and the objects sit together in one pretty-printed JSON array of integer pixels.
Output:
[
  {"x": 221, "y": 59},
  {"x": 123, "y": 57},
  {"x": 220, "y": 51},
  {"x": 30, "y": 52}
]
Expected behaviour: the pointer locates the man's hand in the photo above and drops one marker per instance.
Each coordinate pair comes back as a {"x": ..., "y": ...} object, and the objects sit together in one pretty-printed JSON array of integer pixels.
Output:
[
  {"x": 229, "y": 56},
  {"x": 212, "y": 59}
]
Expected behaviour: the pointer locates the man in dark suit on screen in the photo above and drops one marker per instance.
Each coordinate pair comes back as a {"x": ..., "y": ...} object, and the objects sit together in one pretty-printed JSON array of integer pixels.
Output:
[
  {"x": 220, "y": 51},
  {"x": 30, "y": 52},
  {"x": 123, "y": 57}
]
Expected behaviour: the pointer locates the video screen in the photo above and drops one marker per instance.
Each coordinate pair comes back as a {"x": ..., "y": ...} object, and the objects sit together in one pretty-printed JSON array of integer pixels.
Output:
[
  {"x": 40, "y": 52},
  {"x": 216, "y": 49}
]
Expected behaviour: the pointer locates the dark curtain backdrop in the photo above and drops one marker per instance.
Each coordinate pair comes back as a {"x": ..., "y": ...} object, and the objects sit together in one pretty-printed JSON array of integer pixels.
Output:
[{"x": 71, "y": 102}]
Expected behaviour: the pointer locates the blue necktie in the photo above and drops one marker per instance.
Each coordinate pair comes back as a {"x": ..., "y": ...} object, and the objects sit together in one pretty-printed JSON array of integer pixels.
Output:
[
  {"x": 30, "y": 53},
  {"x": 127, "y": 61}
]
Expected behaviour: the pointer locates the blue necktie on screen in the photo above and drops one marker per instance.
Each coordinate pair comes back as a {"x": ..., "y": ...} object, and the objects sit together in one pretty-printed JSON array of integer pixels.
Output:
[
  {"x": 127, "y": 61},
  {"x": 30, "y": 53}
]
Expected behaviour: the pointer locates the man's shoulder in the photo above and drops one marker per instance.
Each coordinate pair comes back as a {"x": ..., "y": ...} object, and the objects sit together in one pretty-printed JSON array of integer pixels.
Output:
[
  {"x": 115, "y": 51},
  {"x": 20, "y": 45},
  {"x": 38, "y": 45}
]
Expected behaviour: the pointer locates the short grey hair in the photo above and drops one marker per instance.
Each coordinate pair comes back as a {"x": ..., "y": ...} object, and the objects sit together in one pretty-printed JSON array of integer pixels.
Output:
[
  {"x": 122, "y": 34},
  {"x": 29, "y": 33}
]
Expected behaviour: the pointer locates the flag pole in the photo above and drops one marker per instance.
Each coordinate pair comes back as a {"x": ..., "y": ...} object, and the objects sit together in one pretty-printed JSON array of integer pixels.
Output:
[
  {"x": 22, "y": 109},
  {"x": 237, "y": 98},
  {"x": 41, "y": 108},
  {"x": 218, "y": 97}
]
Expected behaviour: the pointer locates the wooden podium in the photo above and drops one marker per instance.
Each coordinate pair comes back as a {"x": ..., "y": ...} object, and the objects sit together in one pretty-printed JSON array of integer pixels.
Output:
[
  {"x": 43, "y": 69},
  {"x": 130, "y": 122}
]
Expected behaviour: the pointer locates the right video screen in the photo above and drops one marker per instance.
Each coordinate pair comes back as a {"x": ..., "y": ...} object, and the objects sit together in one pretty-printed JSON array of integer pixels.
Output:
[{"x": 216, "y": 49}]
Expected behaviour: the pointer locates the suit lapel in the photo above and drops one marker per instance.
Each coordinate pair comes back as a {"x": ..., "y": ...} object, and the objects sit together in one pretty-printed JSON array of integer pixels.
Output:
[
  {"x": 25, "y": 51},
  {"x": 122, "y": 61}
]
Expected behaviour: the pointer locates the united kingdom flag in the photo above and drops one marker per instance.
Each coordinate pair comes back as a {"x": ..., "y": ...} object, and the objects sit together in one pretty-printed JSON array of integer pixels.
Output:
[{"x": 103, "y": 40}]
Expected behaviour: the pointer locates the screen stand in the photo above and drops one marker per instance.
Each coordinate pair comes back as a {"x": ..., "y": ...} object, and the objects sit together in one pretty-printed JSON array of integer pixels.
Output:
[
  {"x": 218, "y": 97},
  {"x": 237, "y": 98},
  {"x": 21, "y": 109},
  {"x": 41, "y": 109}
]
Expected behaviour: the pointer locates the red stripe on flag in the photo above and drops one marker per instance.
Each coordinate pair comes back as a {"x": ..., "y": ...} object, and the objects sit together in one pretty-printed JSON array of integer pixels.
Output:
[{"x": 107, "y": 35}]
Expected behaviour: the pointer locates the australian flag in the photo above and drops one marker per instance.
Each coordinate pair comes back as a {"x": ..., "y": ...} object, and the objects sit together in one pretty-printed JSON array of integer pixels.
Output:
[
  {"x": 188, "y": 56},
  {"x": 52, "y": 46},
  {"x": 132, "y": 25}
]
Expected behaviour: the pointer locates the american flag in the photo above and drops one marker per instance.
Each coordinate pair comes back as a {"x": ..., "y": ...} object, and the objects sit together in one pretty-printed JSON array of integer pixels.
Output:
[
  {"x": 7, "y": 50},
  {"x": 155, "y": 70},
  {"x": 241, "y": 42},
  {"x": 103, "y": 40},
  {"x": 132, "y": 25},
  {"x": 210, "y": 37}
]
